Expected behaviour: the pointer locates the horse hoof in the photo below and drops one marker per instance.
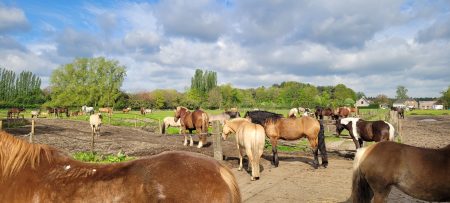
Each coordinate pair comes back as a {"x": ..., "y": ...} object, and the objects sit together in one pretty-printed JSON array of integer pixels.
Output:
[
  {"x": 239, "y": 169},
  {"x": 185, "y": 144},
  {"x": 200, "y": 146},
  {"x": 191, "y": 144},
  {"x": 325, "y": 164},
  {"x": 252, "y": 178}
]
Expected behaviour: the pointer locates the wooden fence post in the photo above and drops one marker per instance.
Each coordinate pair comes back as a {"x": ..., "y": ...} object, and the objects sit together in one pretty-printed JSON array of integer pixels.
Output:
[
  {"x": 93, "y": 141},
  {"x": 1, "y": 124},
  {"x": 217, "y": 141},
  {"x": 135, "y": 121},
  {"x": 32, "y": 131},
  {"x": 159, "y": 125}
]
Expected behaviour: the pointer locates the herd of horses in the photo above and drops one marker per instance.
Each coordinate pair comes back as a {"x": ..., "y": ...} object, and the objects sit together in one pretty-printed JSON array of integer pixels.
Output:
[{"x": 33, "y": 172}]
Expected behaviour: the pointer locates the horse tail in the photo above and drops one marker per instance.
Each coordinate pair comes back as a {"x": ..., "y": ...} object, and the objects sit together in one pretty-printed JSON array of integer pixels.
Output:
[
  {"x": 322, "y": 146},
  {"x": 231, "y": 182},
  {"x": 163, "y": 127},
  {"x": 361, "y": 191},
  {"x": 255, "y": 152},
  {"x": 205, "y": 123},
  {"x": 391, "y": 131}
]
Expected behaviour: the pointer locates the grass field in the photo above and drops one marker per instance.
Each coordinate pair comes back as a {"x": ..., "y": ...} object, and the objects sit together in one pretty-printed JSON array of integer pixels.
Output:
[{"x": 428, "y": 112}]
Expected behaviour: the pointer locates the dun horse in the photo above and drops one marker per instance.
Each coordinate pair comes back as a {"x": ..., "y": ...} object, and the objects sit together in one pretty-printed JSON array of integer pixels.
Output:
[
  {"x": 249, "y": 137},
  {"x": 197, "y": 120},
  {"x": 219, "y": 117},
  {"x": 369, "y": 131},
  {"x": 40, "y": 173},
  {"x": 419, "y": 172},
  {"x": 107, "y": 110},
  {"x": 170, "y": 122}
]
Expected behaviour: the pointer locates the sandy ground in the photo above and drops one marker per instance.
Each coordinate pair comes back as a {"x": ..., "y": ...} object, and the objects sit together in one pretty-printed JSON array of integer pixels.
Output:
[{"x": 294, "y": 180}]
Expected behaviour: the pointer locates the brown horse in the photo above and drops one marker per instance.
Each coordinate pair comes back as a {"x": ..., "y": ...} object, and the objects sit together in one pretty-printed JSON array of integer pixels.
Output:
[
  {"x": 343, "y": 112},
  {"x": 369, "y": 131},
  {"x": 40, "y": 173},
  {"x": 197, "y": 120},
  {"x": 400, "y": 111},
  {"x": 107, "y": 110},
  {"x": 60, "y": 110},
  {"x": 419, "y": 172},
  {"x": 14, "y": 111},
  {"x": 321, "y": 112},
  {"x": 354, "y": 110},
  {"x": 294, "y": 129}
]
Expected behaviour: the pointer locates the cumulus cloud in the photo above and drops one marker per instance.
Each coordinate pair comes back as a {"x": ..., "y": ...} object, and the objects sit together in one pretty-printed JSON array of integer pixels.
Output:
[
  {"x": 439, "y": 30},
  {"x": 12, "y": 20}
]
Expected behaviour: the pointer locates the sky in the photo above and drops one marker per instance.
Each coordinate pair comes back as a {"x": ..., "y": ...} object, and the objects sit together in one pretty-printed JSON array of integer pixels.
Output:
[{"x": 370, "y": 46}]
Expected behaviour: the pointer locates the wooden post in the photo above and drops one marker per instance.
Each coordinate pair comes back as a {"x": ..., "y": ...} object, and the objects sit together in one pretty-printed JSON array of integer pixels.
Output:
[
  {"x": 1, "y": 124},
  {"x": 32, "y": 131},
  {"x": 159, "y": 125},
  {"x": 217, "y": 141},
  {"x": 135, "y": 122},
  {"x": 109, "y": 119},
  {"x": 93, "y": 141}
]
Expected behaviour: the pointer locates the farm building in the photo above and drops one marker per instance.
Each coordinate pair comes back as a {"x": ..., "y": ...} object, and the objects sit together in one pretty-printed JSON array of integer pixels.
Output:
[
  {"x": 362, "y": 102},
  {"x": 406, "y": 103},
  {"x": 426, "y": 104}
]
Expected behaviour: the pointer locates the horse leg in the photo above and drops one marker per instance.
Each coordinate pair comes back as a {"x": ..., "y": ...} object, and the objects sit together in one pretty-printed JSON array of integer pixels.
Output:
[
  {"x": 191, "y": 140},
  {"x": 241, "y": 152},
  {"x": 183, "y": 131},
  {"x": 380, "y": 196},
  {"x": 315, "y": 151},
  {"x": 274, "y": 143},
  {"x": 200, "y": 140}
]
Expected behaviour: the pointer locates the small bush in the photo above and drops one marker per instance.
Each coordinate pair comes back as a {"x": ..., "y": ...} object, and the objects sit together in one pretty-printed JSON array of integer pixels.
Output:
[{"x": 98, "y": 158}]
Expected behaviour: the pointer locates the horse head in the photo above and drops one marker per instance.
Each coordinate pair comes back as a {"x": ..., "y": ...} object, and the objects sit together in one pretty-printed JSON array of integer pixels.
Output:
[
  {"x": 226, "y": 130},
  {"x": 180, "y": 112},
  {"x": 339, "y": 126}
]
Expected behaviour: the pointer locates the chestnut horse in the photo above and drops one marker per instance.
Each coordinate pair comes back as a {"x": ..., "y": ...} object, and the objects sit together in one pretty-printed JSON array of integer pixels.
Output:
[
  {"x": 369, "y": 131},
  {"x": 15, "y": 111},
  {"x": 197, "y": 120},
  {"x": 343, "y": 112},
  {"x": 249, "y": 137},
  {"x": 107, "y": 110},
  {"x": 40, "y": 173},
  {"x": 419, "y": 172}
]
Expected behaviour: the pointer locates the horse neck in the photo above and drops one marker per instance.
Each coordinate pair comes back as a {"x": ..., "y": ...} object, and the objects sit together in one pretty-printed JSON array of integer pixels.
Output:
[{"x": 236, "y": 123}]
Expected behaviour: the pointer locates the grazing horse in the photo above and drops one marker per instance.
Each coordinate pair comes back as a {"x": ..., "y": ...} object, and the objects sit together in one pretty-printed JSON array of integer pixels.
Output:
[
  {"x": 259, "y": 117},
  {"x": 126, "y": 110},
  {"x": 41, "y": 173},
  {"x": 60, "y": 110},
  {"x": 95, "y": 120},
  {"x": 145, "y": 111},
  {"x": 107, "y": 110},
  {"x": 249, "y": 137},
  {"x": 343, "y": 112},
  {"x": 294, "y": 129},
  {"x": 51, "y": 111},
  {"x": 419, "y": 172},
  {"x": 233, "y": 114},
  {"x": 170, "y": 122},
  {"x": 75, "y": 113},
  {"x": 219, "y": 117},
  {"x": 87, "y": 110},
  {"x": 369, "y": 131},
  {"x": 400, "y": 111},
  {"x": 197, "y": 120},
  {"x": 35, "y": 113},
  {"x": 15, "y": 111},
  {"x": 321, "y": 112}
]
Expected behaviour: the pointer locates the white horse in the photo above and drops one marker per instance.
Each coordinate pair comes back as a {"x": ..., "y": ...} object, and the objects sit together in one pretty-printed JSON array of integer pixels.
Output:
[
  {"x": 35, "y": 113},
  {"x": 249, "y": 137},
  {"x": 87, "y": 110},
  {"x": 95, "y": 121},
  {"x": 170, "y": 122}
]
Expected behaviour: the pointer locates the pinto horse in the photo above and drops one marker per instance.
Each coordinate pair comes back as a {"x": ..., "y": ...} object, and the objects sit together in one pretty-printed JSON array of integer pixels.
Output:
[
  {"x": 40, "y": 173},
  {"x": 369, "y": 131},
  {"x": 420, "y": 172},
  {"x": 249, "y": 137},
  {"x": 15, "y": 111},
  {"x": 197, "y": 120}
]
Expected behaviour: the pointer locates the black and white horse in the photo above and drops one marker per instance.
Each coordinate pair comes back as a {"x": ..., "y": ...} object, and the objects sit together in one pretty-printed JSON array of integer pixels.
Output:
[{"x": 369, "y": 131}]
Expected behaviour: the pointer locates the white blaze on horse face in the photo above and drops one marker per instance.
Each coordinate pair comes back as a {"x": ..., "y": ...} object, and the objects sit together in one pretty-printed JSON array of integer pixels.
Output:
[
  {"x": 345, "y": 121},
  {"x": 67, "y": 167},
  {"x": 391, "y": 132}
]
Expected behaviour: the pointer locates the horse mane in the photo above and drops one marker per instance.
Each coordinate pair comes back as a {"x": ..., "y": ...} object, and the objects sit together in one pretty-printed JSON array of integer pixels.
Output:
[
  {"x": 260, "y": 117},
  {"x": 15, "y": 154}
]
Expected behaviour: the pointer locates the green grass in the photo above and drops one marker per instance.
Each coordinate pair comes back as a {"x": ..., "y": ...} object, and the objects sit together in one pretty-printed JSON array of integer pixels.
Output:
[
  {"x": 302, "y": 145},
  {"x": 428, "y": 112},
  {"x": 93, "y": 157}
]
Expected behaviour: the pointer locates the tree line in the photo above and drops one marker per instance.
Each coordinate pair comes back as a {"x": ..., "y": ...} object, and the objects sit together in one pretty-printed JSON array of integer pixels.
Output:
[
  {"x": 97, "y": 82},
  {"x": 20, "y": 90}
]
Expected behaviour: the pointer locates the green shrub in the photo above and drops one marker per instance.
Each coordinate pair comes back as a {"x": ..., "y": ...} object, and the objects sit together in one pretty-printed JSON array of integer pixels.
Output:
[{"x": 98, "y": 158}]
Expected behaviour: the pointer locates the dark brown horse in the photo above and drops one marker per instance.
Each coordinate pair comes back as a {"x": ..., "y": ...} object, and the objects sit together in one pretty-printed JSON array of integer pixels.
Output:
[
  {"x": 197, "y": 120},
  {"x": 51, "y": 110},
  {"x": 277, "y": 127},
  {"x": 400, "y": 111},
  {"x": 321, "y": 112},
  {"x": 40, "y": 173},
  {"x": 59, "y": 111},
  {"x": 419, "y": 172},
  {"x": 369, "y": 131},
  {"x": 14, "y": 111}
]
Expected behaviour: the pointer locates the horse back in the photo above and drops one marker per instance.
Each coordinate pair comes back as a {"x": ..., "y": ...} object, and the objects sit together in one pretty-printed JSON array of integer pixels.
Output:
[
  {"x": 373, "y": 130},
  {"x": 295, "y": 128}
]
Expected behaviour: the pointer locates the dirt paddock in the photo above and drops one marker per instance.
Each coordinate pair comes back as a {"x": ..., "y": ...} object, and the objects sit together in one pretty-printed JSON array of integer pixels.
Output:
[{"x": 293, "y": 181}]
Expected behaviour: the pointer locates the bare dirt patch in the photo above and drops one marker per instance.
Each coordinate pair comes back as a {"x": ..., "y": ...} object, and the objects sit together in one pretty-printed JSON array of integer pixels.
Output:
[{"x": 294, "y": 180}]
